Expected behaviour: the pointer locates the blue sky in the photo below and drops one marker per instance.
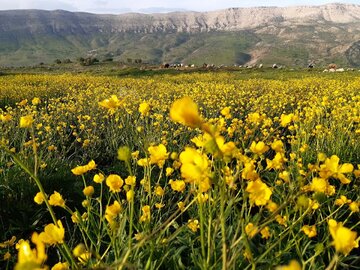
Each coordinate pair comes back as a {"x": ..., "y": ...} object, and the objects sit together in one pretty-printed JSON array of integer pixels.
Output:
[{"x": 120, "y": 6}]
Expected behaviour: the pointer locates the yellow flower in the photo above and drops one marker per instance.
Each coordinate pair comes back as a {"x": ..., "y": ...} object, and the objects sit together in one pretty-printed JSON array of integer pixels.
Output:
[
  {"x": 344, "y": 239},
  {"x": 111, "y": 103},
  {"x": 193, "y": 225},
  {"x": 322, "y": 185},
  {"x": 80, "y": 170},
  {"x": 7, "y": 256},
  {"x": 277, "y": 162},
  {"x": 53, "y": 234},
  {"x": 112, "y": 211},
  {"x": 79, "y": 250},
  {"x": 36, "y": 101},
  {"x": 39, "y": 198},
  {"x": 61, "y": 266},
  {"x": 293, "y": 265},
  {"x": 260, "y": 193},
  {"x": 251, "y": 230},
  {"x": 354, "y": 207},
  {"x": 146, "y": 214},
  {"x": 56, "y": 199},
  {"x": 195, "y": 168},
  {"x": 177, "y": 185},
  {"x": 258, "y": 148},
  {"x": 286, "y": 119},
  {"x": 124, "y": 153},
  {"x": 5, "y": 117},
  {"x": 185, "y": 111},
  {"x": 181, "y": 206},
  {"x": 130, "y": 195},
  {"x": 342, "y": 200},
  {"x": 158, "y": 155},
  {"x": 159, "y": 205},
  {"x": 159, "y": 191},
  {"x": 272, "y": 206},
  {"x": 169, "y": 171},
  {"x": 310, "y": 231},
  {"x": 23, "y": 102},
  {"x": 265, "y": 233},
  {"x": 249, "y": 171},
  {"x": 114, "y": 182},
  {"x": 144, "y": 108},
  {"x": 130, "y": 180},
  {"x": 88, "y": 191},
  {"x": 26, "y": 121},
  {"x": 8, "y": 243},
  {"x": 226, "y": 112},
  {"x": 285, "y": 175},
  {"x": 143, "y": 162},
  {"x": 331, "y": 168},
  {"x": 28, "y": 258},
  {"x": 99, "y": 178},
  {"x": 277, "y": 146}
]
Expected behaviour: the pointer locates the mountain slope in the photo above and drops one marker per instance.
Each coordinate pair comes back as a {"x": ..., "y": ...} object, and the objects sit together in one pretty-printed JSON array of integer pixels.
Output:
[{"x": 291, "y": 36}]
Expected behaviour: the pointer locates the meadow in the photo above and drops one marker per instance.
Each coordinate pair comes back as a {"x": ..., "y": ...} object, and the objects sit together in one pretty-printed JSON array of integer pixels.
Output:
[{"x": 180, "y": 171}]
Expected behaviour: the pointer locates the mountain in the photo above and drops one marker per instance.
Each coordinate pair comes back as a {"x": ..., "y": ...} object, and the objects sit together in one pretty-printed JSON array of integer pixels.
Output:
[{"x": 285, "y": 35}]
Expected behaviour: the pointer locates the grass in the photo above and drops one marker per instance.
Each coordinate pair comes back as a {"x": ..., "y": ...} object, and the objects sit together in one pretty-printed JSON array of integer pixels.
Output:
[{"x": 231, "y": 179}]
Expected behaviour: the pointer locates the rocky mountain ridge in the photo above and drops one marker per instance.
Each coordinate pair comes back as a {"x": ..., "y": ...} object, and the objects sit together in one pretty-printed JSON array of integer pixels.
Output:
[{"x": 30, "y": 35}]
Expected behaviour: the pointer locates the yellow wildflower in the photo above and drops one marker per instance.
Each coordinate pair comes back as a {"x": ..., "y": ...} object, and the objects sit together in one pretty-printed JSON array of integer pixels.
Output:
[
  {"x": 259, "y": 192},
  {"x": 130, "y": 195},
  {"x": 310, "y": 231},
  {"x": 251, "y": 230},
  {"x": 35, "y": 101},
  {"x": 322, "y": 185},
  {"x": 344, "y": 239},
  {"x": 181, "y": 206},
  {"x": 99, "y": 178},
  {"x": 331, "y": 168},
  {"x": 130, "y": 180},
  {"x": 258, "y": 148},
  {"x": 286, "y": 119},
  {"x": 293, "y": 265},
  {"x": 88, "y": 191},
  {"x": 144, "y": 108},
  {"x": 158, "y": 155},
  {"x": 114, "y": 182},
  {"x": 56, "y": 199},
  {"x": 195, "y": 168},
  {"x": 193, "y": 225},
  {"x": 112, "y": 211},
  {"x": 53, "y": 234},
  {"x": 26, "y": 121},
  {"x": 177, "y": 185},
  {"x": 146, "y": 214},
  {"x": 354, "y": 207},
  {"x": 342, "y": 200},
  {"x": 159, "y": 191},
  {"x": 124, "y": 153},
  {"x": 265, "y": 233},
  {"x": 111, "y": 103},
  {"x": 61, "y": 266},
  {"x": 5, "y": 117},
  {"x": 186, "y": 112},
  {"x": 39, "y": 198}
]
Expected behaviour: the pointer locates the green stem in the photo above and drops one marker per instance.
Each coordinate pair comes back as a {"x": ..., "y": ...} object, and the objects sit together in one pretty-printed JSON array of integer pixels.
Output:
[
  {"x": 222, "y": 223},
  {"x": 202, "y": 233}
]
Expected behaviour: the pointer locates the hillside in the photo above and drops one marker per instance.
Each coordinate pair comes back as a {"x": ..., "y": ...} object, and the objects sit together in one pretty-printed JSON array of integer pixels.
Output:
[{"x": 289, "y": 36}]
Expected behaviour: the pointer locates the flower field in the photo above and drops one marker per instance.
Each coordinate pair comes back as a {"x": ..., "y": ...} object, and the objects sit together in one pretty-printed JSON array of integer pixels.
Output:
[{"x": 187, "y": 171}]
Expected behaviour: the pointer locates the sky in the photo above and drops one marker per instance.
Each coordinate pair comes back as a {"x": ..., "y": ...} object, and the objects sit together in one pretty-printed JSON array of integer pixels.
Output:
[{"x": 148, "y": 6}]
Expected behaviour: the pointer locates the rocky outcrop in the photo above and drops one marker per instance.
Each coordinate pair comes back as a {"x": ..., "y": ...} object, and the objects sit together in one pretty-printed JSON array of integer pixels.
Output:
[{"x": 232, "y": 19}]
